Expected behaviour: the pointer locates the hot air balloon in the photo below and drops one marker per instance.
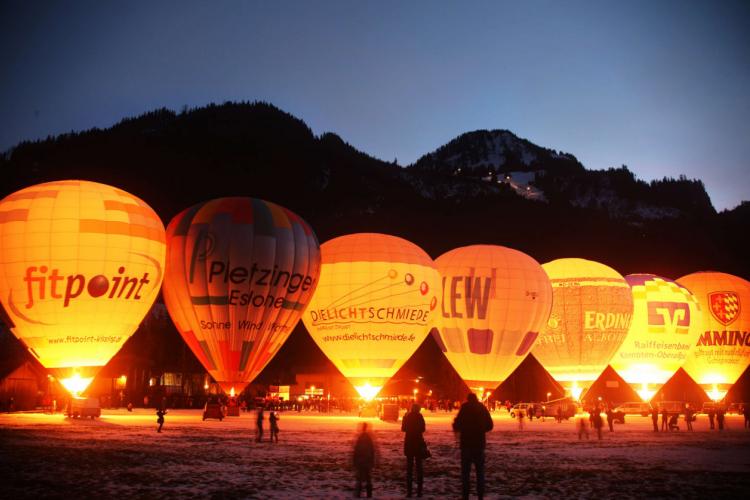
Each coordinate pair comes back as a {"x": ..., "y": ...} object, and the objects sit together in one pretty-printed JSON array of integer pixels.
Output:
[
  {"x": 494, "y": 302},
  {"x": 591, "y": 311},
  {"x": 81, "y": 263},
  {"x": 240, "y": 271},
  {"x": 373, "y": 307},
  {"x": 666, "y": 324},
  {"x": 722, "y": 350}
]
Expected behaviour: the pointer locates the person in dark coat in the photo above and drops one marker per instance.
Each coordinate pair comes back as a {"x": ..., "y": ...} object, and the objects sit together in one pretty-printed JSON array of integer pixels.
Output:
[
  {"x": 711, "y": 419},
  {"x": 610, "y": 419},
  {"x": 596, "y": 421},
  {"x": 364, "y": 460},
  {"x": 655, "y": 419},
  {"x": 664, "y": 420},
  {"x": 259, "y": 425},
  {"x": 160, "y": 418},
  {"x": 689, "y": 417},
  {"x": 472, "y": 422},
  {"x": 746, "y": 413},
  {"x": 273, "y": 422},
  {"x": 414, "y": 447},
  {"x": 720, "y": 418}
]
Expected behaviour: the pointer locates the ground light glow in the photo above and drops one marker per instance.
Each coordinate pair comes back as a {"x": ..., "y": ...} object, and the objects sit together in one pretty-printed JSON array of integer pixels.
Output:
[
  {"x": 76, "y": 384},
  {"x": 367, "y": 391}
]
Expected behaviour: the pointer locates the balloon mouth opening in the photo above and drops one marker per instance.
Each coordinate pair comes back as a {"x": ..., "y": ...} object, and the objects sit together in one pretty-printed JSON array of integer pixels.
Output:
[
  {"x": 576, "y": 391},
  {"x": 231, "y": 392},
  {"x": 645, "y": 393},
  {"x": 76, "y": 384},
  {"x": 367, "y": 391},
  {"x": 716, "y": 394}
]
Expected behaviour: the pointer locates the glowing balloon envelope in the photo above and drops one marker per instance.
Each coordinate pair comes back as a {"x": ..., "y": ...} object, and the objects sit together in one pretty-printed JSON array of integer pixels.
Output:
[
  {"x": 82, "y": 263},
  {"x": 591, "y": 312},
  {"x": 240, "y": 272},
  {"x": 373, "y": 306},
  {"x": 722, "y": 350},
  {"x": 494, "y": 302},
  {"x": 666, "y": 324}
]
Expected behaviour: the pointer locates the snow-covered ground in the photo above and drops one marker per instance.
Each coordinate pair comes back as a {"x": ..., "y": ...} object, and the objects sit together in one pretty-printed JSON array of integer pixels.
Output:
[{"x": 120, "y": 455}]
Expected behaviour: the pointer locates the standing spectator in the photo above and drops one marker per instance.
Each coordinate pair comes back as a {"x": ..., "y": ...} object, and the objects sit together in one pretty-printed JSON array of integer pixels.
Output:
[
  {"x": 655, "y": 418},
  {"x": 720, "y": 417},
  {"x": 610, "y": 419},
  {"x": 596, "y": 421},
  {"x": 688, "y": 417},
  {"x": 583, "y": 428},
  {"x": 746, "y": 413},
  {"x": 364, "y": 460},
  {"x": 273, "y": 422},
  {"x": 414, "y": 447},
  {"x": 664, "y": 420},
  {"x": 472, "y": 422},
  {"x": 259, "y": 425},
  {"x": 160, "y": 418},
  {"x": 711, "y": 415}
]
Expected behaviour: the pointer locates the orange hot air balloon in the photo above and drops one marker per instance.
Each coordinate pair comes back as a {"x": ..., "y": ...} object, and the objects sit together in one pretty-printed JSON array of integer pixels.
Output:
[
  {"x": 494, "y": 302},
  {"x": 666, "y": 324},
  {"x": 373, "y": 306},
  {"x": 81, "y": 263},
  {"x": 240, "y": 272},
  {"x": 722, "y": 350},
  {"x": 591, "y": 311}
]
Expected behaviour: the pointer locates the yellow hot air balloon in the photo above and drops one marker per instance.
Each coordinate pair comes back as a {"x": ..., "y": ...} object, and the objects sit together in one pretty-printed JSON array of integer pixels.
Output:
[
  {"x": 722, "y": 351},
  {"x": 240, "y": 271},
  {"x": 373, "y": 307},
  {"x": 81, "y": 263},
  {"x": 494, "y": 302},
  {"x": 591, "y": 311},
  {"x": 666, "y": 324}
]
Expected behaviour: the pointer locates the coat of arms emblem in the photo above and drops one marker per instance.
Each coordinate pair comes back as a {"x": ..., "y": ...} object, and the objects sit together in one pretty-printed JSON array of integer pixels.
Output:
[{"x": 725, "y": 306}]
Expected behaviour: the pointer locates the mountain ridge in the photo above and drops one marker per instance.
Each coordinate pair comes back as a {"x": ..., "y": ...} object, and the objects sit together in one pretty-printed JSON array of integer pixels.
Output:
[{"x": 256, "y": 149}]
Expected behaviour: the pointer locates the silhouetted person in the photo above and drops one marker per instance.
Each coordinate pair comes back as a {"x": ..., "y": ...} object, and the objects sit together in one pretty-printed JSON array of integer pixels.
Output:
[
  {"x": 273, "y": 423},
  {"x": 259, "y": 425},
  {"x": 583, "y": 428},
  {"x": 746, "y": 413},
  {"x": 596, "y": 422},
  {"x": 673, "y": 422},
  {"x": 414, "y": 447},
  {"x": 610, "y": 419},
  {"x": 655, "y": 419},
  {"x": 472, "y": 422},
  {"x": 364, "y": 460},
  {"x": 720, "y": 418},
  {"x": 160, "y": 418},
  {"x": 688, "y": 417},
  {"x": 711, "y": 415},
  {"x": 664, "y": 419},
  {"x": 559, "y": 414}
]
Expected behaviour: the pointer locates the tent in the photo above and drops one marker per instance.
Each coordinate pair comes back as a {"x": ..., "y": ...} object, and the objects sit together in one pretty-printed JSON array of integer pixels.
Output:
[
  {"x": 530, "y": 382},
  {"x": 681, "y": 387},
  {"x": 611, "y": 388}
]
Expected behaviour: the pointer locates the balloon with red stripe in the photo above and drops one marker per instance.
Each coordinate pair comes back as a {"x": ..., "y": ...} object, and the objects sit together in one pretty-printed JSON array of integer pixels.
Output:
[{"x": 240, "y": 272}]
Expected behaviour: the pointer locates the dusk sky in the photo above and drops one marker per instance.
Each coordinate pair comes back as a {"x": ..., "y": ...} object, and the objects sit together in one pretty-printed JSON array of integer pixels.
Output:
[{"x": 661, "y": 86}]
